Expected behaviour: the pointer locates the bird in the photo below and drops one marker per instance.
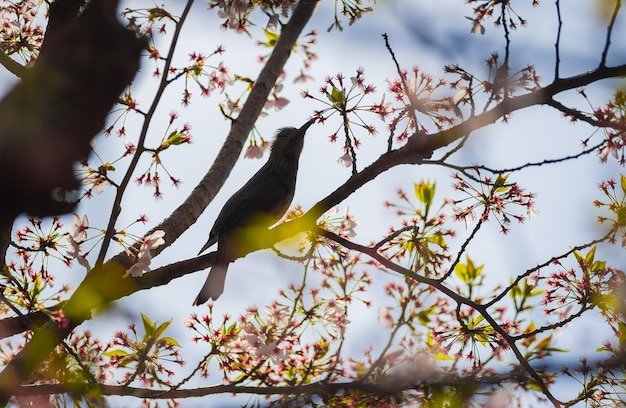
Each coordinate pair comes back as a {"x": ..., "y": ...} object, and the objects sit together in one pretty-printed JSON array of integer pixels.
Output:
[{"x": 260, "y": 203}]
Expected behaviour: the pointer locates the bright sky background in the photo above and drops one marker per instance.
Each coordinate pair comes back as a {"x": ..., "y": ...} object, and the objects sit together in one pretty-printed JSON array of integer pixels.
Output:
[{"x": 429, "y": 34}]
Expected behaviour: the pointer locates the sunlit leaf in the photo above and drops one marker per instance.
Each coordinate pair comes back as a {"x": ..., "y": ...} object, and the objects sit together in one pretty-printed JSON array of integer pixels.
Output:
[
  {"x": 148, "y": 325},
  {"x": 499, "y": 184},
  {"x": 543, "y": 344},
  {"x": 590, "y": 256},
  {"x": 272, "y": 37},
  {"x": 424, "y": 315},
  {"x": 515, "y": 291},
  {"x": 161, "y": 329},
  {"x": 425, "y": 191},
  {"x": 437, "y": 240},
  {"x": 443, "y": 357},
  {"x": 598, "y": 266},
  {"x": 116, "y": 353},
  {"x": 336, "y": 97},
  {"x": 170, "y": 341}
]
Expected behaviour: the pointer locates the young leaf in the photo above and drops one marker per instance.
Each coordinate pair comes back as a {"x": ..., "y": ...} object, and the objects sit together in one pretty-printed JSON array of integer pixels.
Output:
[
  {"x": 424, "y": 192},
  {"x": 336, "y": 97},
  {"x": 272, "y": 37},
  {"x": 159, "y": 330},
  {"x": 170, "y": 341},
  {"x": 148, "y": 326}
]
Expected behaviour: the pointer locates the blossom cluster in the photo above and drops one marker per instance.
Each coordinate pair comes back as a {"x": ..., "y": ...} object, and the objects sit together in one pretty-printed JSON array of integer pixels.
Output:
[
  {"x": 493, "y": 197},
  {"x": 613, "y": 113},
  {"x": 505, "y": 15},
  {"x": 616, "y": 205},
  {"x": 420, "y": 241},
  {"x": 20, "y": 32}
]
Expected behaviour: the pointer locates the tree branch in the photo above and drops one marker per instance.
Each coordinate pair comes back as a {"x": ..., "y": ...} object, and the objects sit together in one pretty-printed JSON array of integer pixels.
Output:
[
  {"x": 188, "y": 212},
  {"x": 11, "y": 65},
  {"x": 390, "y": 385},
  {"x": 609, "y": 31},
  {"x": 412, "y": 153},
  {"x": 106, "y": 282},
  {"x": 482, "y": 309}
]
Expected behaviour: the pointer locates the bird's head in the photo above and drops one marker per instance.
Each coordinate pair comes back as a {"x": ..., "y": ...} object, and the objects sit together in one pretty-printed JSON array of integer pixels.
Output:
[{"x": 289, "y": 142}]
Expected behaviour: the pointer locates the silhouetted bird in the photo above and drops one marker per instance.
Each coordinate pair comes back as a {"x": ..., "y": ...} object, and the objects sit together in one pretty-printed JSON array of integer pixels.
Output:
[{"x": 260, "y": 203}]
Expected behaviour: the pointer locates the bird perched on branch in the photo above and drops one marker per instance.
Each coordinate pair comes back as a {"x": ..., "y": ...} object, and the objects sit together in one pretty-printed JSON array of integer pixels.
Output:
[{"x": 259, "y": 204}]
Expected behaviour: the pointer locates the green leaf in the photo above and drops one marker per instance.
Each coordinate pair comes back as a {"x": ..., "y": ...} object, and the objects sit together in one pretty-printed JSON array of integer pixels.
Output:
[
  {"x": 590, "y": 256},
  {"x": 460, "y": 270},
  {"x": 336, "y": 97},
  {"x": 474, "y": 271},
  {"x": 478, "y": 319},
  {"x": 437, "y": 240},
  {"x": 272, "y": 37},
  {"x": 170, "y": 341},
  {"x": 425, "y": 192},
  {"x": 468, "y": 273},
  {"x": 230, "y": 329},
  {"x": 543, "y": 344},
  {"x": 622, "y": 332},
  {"x": 444, "y": 357},
  {"x": 598, "y": 266},
  {"x": 116, "y": 353},
  {"x": 622, "y": 180},
  {"x": 157, "y": 12},
  {"x": 579, "y": 258},
  {"x": 423, "y": 315},
  {"x": 175, "y": 138},
  {"x": 499, "y": 184},
  {"x": 241, "y": 377},
  {"x": 620, "y": 211},
  {"x": 515, "y": 291},
  {"x": 148, "y": 326},
  {"x": 161, "y": 329},
  {"x": 534, "y": 386}
]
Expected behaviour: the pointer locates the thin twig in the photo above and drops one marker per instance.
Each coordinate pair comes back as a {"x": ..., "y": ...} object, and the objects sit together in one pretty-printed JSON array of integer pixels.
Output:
[
  {"x": 116, "y": 208},
  {"x": 465, "y": 244},
  {"x": 11, "y": 65},
  {"x": 557, "y": 44},
  {"x": 567, "y": 253},
  {"x": 609, "y": 31}
]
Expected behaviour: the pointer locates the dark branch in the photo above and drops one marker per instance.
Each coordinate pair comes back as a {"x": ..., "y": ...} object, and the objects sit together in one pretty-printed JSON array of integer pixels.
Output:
[{"x": 609, "y": 31}]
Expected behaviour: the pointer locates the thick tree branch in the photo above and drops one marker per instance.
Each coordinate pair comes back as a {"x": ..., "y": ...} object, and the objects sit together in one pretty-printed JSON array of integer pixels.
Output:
[
  {"x": 106, "y": 282},
  {"x": 48, "y": 120},
  {"x": 389, "y": 385},
  {"x": 62, "y": 14},
  {"x": 188, "y": 212},
  {"x": 47, "y": 123}
]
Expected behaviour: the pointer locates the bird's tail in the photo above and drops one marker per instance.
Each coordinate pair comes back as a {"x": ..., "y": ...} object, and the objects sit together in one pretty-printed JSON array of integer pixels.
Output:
[
  {"x": 212, "y": 240},
  {"x": 213, "y": 286}
]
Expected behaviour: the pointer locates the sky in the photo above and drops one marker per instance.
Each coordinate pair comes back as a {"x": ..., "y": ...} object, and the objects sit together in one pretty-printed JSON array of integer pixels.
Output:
[{"x": 428, "y": 34}]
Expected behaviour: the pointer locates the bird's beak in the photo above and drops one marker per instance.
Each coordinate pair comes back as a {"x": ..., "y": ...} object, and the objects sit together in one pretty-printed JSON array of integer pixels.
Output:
[{"x": 306, "y": 125}]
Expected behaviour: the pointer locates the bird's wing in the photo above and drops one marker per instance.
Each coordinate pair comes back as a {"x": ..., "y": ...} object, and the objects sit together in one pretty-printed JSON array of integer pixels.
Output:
[{"x": 262, "y": 196}]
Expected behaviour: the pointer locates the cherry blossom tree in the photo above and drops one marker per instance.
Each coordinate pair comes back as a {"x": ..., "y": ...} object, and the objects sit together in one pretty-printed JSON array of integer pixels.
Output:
[{"x": 444, "y": 327}]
